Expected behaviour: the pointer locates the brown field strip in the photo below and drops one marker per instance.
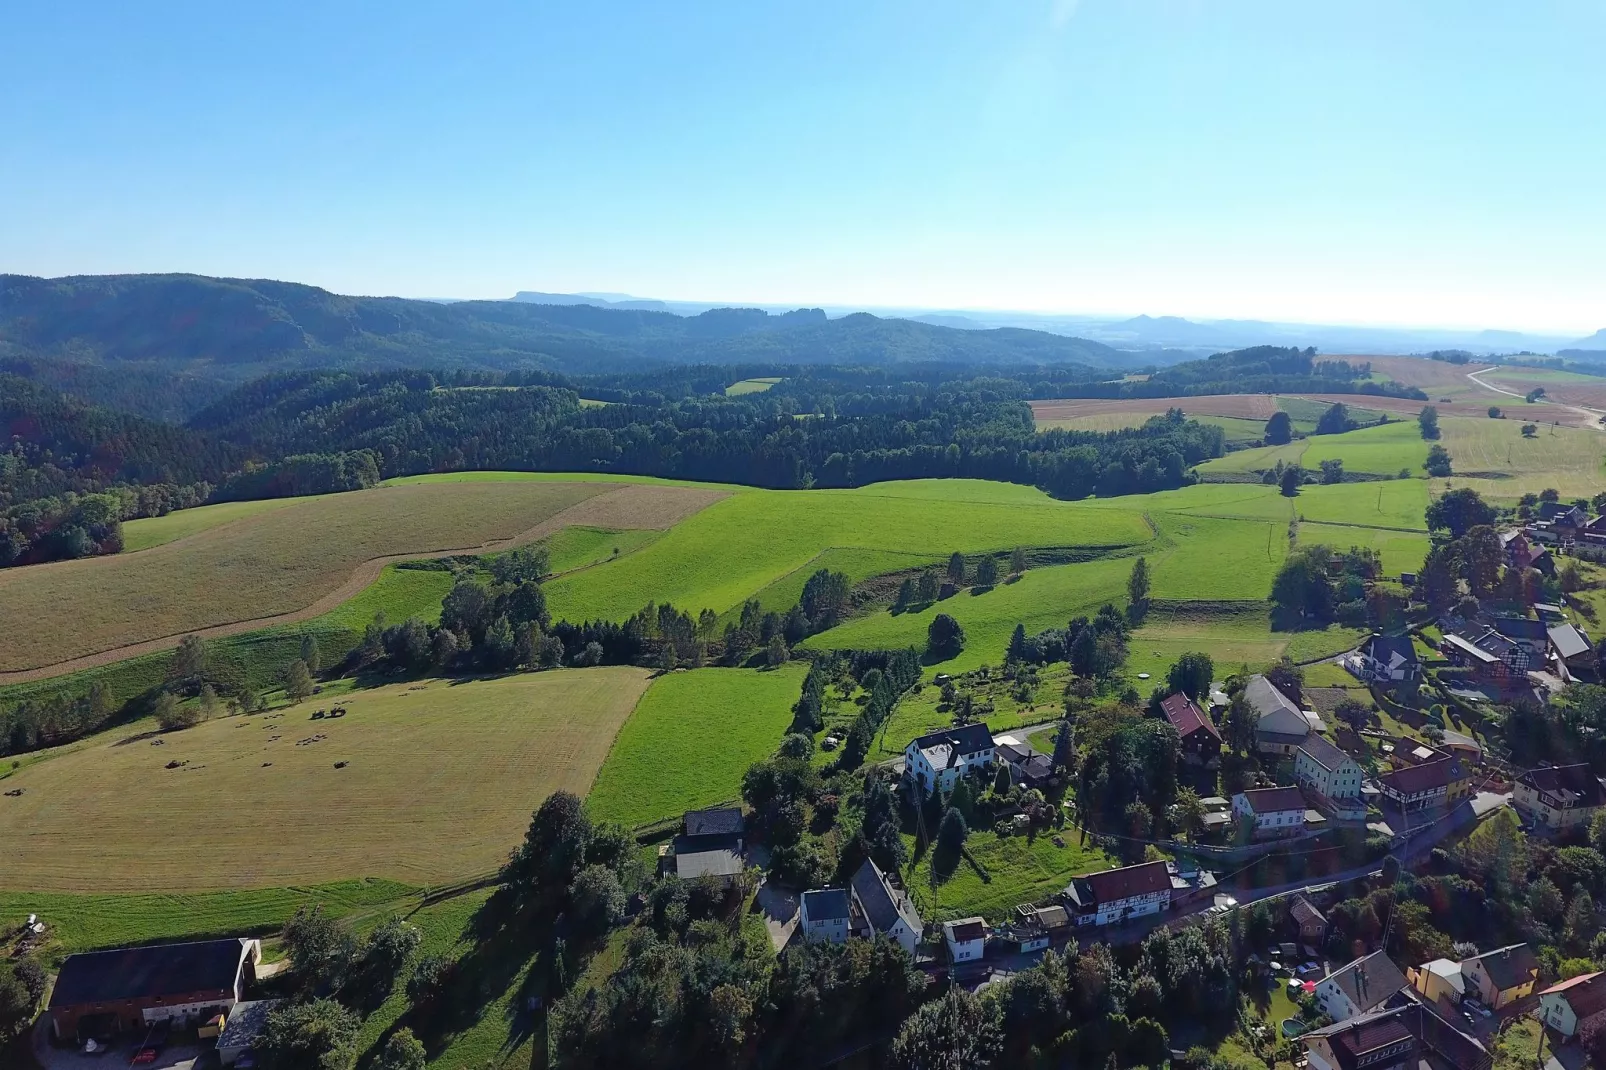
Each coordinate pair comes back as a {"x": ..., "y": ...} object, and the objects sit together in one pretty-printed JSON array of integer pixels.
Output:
[
  {"x": 440, "y": 780},
  {"x": 289, "y": 565},
  {"x": 1244, "y": 406}
]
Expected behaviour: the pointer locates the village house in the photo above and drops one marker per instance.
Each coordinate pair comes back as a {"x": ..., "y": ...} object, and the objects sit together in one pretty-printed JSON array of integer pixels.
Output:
[
  {"x": 1310, "y": 922},
  {"x": 1405, "y": 1037},
  {"x": 1565, "y": 522},
  {"x": 1388, "y": 659},
  {"x": 1026, "y": 765},
  {"x": 1116, "y": 895},
  {"x": 1529, "y": 634},
  {"x": 1493, "y": 657},
  {"x": 710, "y": 844},
  {"x": 1201, "y": 742},
  {"x": 885, "y": 909},
  {"x": 1501, "y": 977},
  {"x": 966, "y": 939},
  {"x": 1439, "y": 980},
  {"x": 1280, "y": 725},
  {"x": 1271, "y": 812},
  {"x": 101, "y": 994},
  {"x": 1442, "y": 781},
  {"x": 826, "y": 916},
  {"x": 1359, "y": 988},
  {"x": 1562, "y": 1006},
  {"x": 1559, "y": 796},
  {"x": 1521, "y": 553},
  {"x": 1334, "y": 777},
  {"x": 1573, "y": 652},
  {"x": 937, "y": 760}
]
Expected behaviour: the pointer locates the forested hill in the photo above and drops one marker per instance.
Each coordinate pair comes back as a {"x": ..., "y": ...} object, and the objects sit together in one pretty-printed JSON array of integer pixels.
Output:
[{"x": 237, "y": 329}]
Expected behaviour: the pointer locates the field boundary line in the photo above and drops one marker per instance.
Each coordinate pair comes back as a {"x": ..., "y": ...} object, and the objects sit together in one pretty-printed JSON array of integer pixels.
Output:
[{"x": 363, "y": 575}]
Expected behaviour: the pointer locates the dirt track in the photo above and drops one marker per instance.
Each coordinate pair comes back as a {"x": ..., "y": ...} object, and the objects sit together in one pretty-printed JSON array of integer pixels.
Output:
[{"x": 632, "y": 505}]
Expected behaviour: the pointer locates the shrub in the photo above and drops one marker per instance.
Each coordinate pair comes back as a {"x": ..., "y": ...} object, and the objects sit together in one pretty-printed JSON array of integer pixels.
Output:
[{"x": 944, "y": 637}]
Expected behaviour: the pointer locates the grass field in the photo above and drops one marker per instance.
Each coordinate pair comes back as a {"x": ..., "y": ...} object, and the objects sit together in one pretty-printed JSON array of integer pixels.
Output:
[
  {"x": 1020, "y": 871},
  {"x": 156, "y": 530},
  {"x": 1492, "y": 457},
  {"x": 691, "y": 738},
  {"x": 304, "y": 559},
  {"x": 86, "y": 922},
  {"x": 442, "y": 778},
  {"x": 742, "y": 545},
  {"x": 752, "y": 386},
  {"x": 1383, "y": 450},
  {"x": 1402, "y": 551}
]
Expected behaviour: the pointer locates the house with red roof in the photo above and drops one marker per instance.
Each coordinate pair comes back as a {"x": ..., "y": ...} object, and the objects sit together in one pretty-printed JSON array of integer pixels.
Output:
[
  {"x": 1562, "y": 1006},
  {"x": 1201, "y": 742}
]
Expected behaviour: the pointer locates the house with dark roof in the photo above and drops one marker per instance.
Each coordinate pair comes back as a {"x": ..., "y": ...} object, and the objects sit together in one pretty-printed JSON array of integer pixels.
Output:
[
  {"x": 966, "y": 939},
  {"x": 826, "y": 915},
  {"x": 1308, "y": 919},
  {"x": 101, "y": 994},
  {"x": 1521, "y": 553},
  {"x": 1530, "y": 634},
  {"x": 1201, "y": 743},
  {"x": 1573, "y": 651},
  {"x": 1407, "y": 1036},
  {"x": 1503, "y": 976},
  {"x": 1359, "y": 988},
  {"x": 1115, "y": 895},
  {"x": 1389, "y": 659},
  {"x": 1271, "y": 812},
  {"x": 1335, "y": 778},
  {"x": 937, "y": 760},
  {"x": 711, "y": 844},
  {"x": 1441, "y": 781},
  {"x": 1026, "y": 765},
  {"x": 1565, "y": 521},
  {"x": 1562, "y": 1006},
  {"x": 1280, "y": 725},
  {"x": 884, "y": 908},
  {"x": 1560, "y": 796}
]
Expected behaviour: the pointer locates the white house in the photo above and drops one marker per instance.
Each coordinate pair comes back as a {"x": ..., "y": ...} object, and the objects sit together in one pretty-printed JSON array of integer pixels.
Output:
[
  {"x": 941, "y": 758},
  {"x": 1560, "y": 796},
  {"x": 826, "y": 915},
  {"x": 1388, "y": 659},
  {"x": 1271, "y": 811},
  {"x": 1562, "y": 1006},
  {"x": 966, "y": 938},
  {"x": 886, "y": 909},
  {"x": 1329, "y": 772},
  {"x": 1359, "y": 988},
  {"x": 1118, "y": 894}
]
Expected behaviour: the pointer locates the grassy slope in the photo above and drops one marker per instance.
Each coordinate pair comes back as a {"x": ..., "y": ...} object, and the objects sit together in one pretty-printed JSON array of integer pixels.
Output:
[
  {"x": 691, "y": 738},
  {"x": 739, "y": 546},
  {"x": 156, "y": 530},
  {"x": 1021, "y": 871},
  {"x": 441, "y": 780},
  {"x": 1402, "y": 551},
  {"x": 1570, "y": 459},
  {"x": 1382, "y": 450}
]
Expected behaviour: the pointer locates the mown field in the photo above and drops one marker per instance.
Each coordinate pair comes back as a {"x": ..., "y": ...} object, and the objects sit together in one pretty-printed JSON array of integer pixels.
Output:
[
  {"x": 1494, "y": 458},
  {"x": 155, "y": 530},
  {"x": 1018, "y": 870},
  {"x": 440, "y": 782},
  {"x": 752, "y": 386},
  {"x": 690, "y": 740},
  {"x": 305, "y": 558}
]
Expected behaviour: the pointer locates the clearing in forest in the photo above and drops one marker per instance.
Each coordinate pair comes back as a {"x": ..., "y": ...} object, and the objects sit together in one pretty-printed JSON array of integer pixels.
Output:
[
  {"x": 439, "y": 782},
  {"x": 291, "y": 564}
]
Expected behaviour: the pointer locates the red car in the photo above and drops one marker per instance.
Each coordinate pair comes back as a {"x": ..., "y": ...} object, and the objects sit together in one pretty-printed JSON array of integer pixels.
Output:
[{"x": 146, "y": 1055}]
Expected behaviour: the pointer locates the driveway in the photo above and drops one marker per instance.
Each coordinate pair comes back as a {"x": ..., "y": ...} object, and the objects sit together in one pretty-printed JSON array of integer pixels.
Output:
[
  {"x": 173, "y": 1057},
  {"x": 780, "y": 909}
]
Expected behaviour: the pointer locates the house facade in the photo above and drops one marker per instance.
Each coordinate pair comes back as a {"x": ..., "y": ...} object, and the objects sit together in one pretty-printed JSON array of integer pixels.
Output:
[
  {"x": 1559, "y": 796},
  {"x": 1562, "y": 1006},
  {"x": 1359, "y": 988},
  {"x": 1280, "y": 725},
  {"x": 1310, "y": 922},
  {"x": 1272, "y": 812},
  {"x": 935, "y": 762},
  {"x": 826, "y": 915},
  {"x": 966, "y": 939},
  {"x": 1439, "y": 980},
  {"x": 1323, "y": 768},
  {"x": 885, "y": 908},
  {"x": 1116, "y": 895},
  {"x": 1501, "y": 977},
  {"x": 1440, "y": 782},
  {"x": 1389, "y": 659},
  {"x": 104, "y": 993}
]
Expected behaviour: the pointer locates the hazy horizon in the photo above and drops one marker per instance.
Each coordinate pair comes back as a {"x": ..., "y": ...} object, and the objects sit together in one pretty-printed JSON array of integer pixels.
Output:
[{"x": 1430, "y": 166}]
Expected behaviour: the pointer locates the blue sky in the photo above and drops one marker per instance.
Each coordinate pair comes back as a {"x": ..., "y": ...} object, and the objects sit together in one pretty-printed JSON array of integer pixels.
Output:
[{"x": 1389, "y": 162}]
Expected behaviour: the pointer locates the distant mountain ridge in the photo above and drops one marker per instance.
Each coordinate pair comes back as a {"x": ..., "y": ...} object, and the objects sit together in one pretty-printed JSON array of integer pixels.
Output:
[{"x": 235, "y": 329}]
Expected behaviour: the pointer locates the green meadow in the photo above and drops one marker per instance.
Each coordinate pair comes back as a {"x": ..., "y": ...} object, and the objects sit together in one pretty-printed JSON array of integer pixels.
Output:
[
  {"x": 1019, "y": 870},
  {"x": 690, "y": 739},
  {"x": 1384, "y": 450}
]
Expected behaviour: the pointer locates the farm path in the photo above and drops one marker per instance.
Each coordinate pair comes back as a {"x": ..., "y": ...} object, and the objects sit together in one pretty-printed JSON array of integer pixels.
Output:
[
  {"x": 633, "y": 505},
  {"x": 1591, "y": 417}
]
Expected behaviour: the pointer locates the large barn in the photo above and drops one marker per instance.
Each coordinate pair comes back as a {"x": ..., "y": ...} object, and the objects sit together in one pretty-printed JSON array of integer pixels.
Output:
[{"x": 103, "y": 993}]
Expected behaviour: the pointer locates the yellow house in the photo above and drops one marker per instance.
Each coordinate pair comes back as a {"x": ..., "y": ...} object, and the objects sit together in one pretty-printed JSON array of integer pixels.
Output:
[
  {"x": 1439, "y": 979},
  {"x": 1503, "y": 976}
]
